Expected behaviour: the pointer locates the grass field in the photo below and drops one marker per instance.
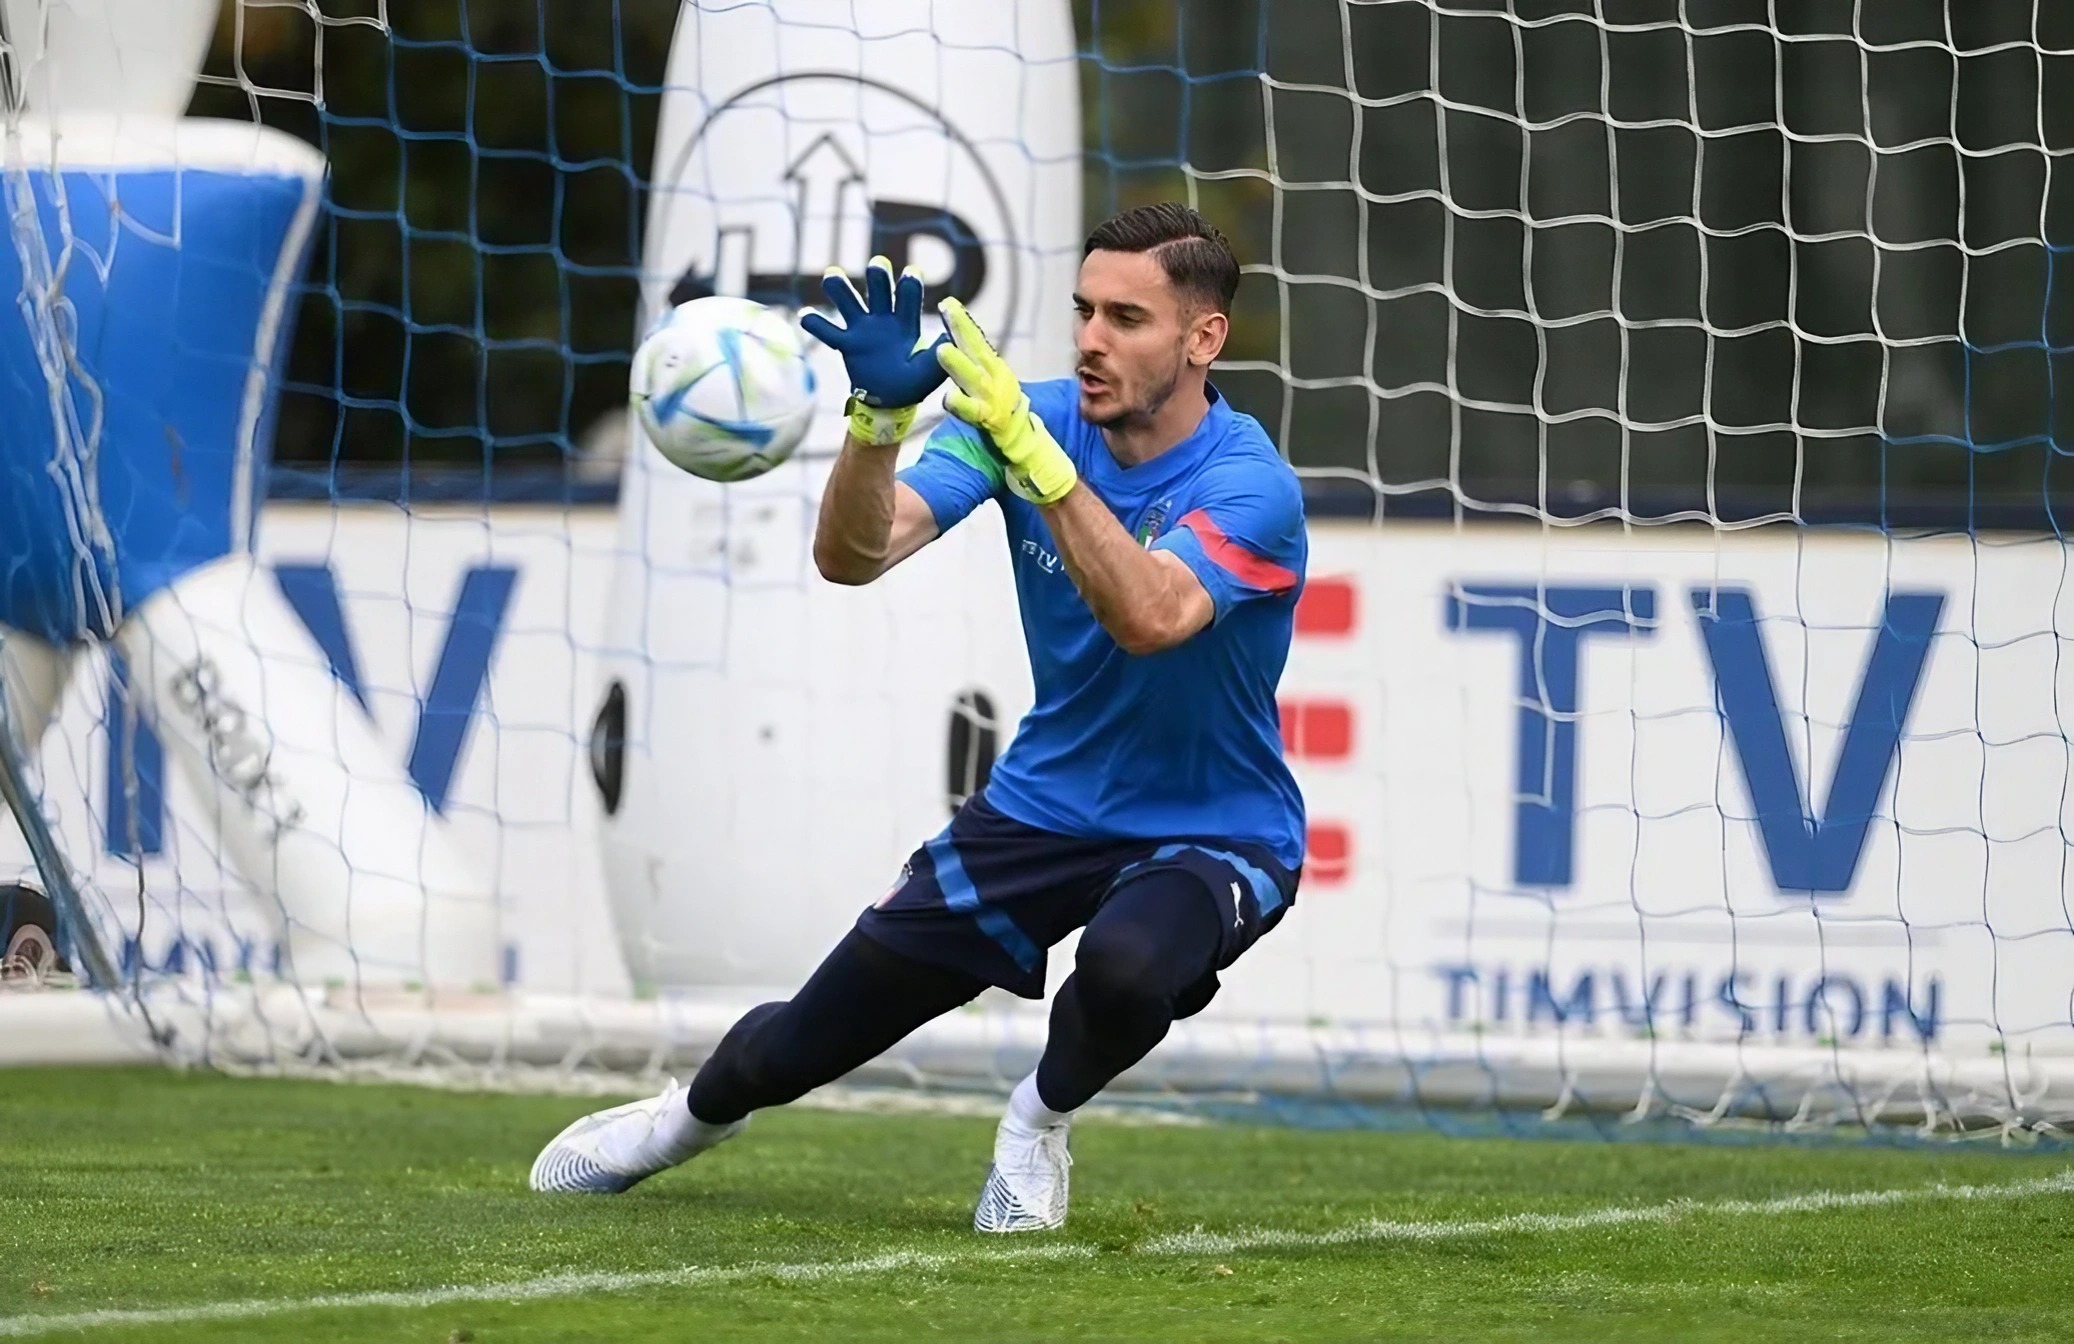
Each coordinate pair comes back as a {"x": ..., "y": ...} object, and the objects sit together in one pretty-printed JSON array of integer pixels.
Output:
[{"x": 138, "y": 1204}]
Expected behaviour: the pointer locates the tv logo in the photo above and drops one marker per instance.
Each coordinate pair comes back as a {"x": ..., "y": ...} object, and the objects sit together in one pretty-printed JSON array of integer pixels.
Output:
[
  {"x": 1809, "y": 849},
  {"x": 1046, "y": 560}
]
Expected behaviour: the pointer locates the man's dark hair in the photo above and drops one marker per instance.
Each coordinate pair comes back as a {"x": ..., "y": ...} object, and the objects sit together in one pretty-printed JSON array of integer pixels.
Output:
[{"x": 1198, "y": 261}]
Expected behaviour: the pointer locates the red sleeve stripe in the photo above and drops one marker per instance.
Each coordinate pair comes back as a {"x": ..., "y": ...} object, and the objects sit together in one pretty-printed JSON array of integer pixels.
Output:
[{"x": 1252, "y": 570}]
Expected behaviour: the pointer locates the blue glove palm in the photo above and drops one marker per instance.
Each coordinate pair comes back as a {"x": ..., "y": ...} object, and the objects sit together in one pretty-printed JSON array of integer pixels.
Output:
[{"x": 880, "y": 340}]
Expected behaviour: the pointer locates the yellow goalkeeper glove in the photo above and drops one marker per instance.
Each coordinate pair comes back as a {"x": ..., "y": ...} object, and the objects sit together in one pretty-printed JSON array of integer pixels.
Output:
[{"x": 988, "y": 396}]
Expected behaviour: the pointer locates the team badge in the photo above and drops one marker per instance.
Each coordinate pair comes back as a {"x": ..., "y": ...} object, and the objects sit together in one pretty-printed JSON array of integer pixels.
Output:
[{"x": 1154, "y": 522}]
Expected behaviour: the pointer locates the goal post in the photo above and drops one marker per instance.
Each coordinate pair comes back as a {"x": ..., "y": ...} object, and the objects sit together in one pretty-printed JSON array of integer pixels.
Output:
[{"x": 1676, "y": 693}]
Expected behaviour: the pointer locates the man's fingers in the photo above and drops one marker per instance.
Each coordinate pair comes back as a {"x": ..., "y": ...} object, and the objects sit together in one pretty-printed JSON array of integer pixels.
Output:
[
  {"x": 964, "y": 331},
  {"x": 878, "y": 285},
  {"x": 962, "y": 406},
  {"x": 907, "y": 294},
  {"x": 964, "y": 371},
  {"x": 821, "y": 329},
  {"x": 842, "y": 295}
]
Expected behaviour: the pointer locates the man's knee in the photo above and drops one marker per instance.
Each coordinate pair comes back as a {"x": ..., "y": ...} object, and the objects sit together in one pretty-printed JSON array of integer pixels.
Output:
[
  {"x": 1157, "y": 937},
  {"x": 1114, "y": 961},
  {"x": 1131, "y": 965}
]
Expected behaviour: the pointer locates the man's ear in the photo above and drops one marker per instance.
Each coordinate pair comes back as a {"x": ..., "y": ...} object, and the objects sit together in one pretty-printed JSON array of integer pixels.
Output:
[{"x": 1206, "y": 337}]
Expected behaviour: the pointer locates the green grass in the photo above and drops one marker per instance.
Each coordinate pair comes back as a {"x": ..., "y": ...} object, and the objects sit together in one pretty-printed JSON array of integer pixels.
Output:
[{"x": 146, "y": 1189}]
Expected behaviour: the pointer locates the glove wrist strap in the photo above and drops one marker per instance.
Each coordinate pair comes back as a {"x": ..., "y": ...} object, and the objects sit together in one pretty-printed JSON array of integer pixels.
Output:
[
  {"x": 1032, "y": 452},
  {"x": 879, "y": 426}
]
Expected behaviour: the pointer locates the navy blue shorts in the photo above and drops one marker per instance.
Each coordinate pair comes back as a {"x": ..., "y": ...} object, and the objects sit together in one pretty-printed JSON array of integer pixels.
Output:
[{"x": 989, "y": 894}]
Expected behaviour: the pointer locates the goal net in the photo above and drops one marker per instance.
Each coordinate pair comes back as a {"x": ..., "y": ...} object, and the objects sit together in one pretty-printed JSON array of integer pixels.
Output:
[{"x": 1676, "y": 694}]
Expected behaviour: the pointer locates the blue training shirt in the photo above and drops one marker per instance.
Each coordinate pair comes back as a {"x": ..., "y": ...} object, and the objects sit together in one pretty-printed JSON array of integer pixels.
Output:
[{"x": 1185, "y": 742}]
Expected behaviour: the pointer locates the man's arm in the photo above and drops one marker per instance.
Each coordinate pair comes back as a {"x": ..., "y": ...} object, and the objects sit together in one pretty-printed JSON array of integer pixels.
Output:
[
  {"x": 1147, "y": 600},
  {"x": 869, "y": 522}
]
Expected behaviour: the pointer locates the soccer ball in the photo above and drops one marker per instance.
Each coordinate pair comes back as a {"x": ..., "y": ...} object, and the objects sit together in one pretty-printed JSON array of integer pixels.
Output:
[{"x": 723, "y": 388}]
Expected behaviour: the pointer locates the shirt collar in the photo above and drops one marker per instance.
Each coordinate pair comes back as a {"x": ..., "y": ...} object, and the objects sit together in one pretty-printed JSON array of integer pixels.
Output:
[{"x": 1181, "y": 457}]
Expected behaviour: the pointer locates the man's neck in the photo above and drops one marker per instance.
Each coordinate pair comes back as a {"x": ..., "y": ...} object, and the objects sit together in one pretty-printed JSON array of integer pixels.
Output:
[{"x": 1141, "y": 441}]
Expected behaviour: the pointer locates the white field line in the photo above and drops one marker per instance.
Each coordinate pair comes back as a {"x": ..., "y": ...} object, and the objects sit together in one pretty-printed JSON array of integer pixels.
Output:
[
  {"x": 1179, "y": 1244},
  {"x": 1270, "y": 1238}
]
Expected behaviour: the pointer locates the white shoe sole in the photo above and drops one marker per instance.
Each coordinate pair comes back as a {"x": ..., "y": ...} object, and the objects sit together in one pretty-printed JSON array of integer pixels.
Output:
[
  {"x": 1001, "y": 1213},
  {"x": 563, "y": 1168}
]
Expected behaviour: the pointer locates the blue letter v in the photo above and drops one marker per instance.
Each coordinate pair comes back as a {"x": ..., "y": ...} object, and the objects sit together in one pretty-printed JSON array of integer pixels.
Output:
[
  {"x": 1809, "y": 852},
  {"x": 464, "y": 661}
]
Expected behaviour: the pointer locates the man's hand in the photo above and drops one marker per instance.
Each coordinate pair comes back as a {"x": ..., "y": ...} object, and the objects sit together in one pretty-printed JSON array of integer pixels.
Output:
[
  {"x": 990, "y": 397},
  {"x": 890, "y": 368}
]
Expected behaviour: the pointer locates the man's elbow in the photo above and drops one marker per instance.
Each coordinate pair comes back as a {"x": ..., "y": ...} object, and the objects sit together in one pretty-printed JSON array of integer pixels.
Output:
[
  {"x": 846, "y": 568},
  {"x": 1143, "y": 637}
]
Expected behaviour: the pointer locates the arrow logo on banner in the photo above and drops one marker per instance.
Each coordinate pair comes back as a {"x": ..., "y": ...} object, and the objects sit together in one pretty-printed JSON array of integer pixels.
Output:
[{"x": 822, "y": 178}]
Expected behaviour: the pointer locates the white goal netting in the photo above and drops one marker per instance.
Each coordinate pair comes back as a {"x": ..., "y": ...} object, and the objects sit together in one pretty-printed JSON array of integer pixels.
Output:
[{"x": 1677, "y": 694}]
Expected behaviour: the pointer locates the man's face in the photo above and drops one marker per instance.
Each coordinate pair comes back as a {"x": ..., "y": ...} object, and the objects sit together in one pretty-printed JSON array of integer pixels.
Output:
[{"x": 1135, "y": 337}]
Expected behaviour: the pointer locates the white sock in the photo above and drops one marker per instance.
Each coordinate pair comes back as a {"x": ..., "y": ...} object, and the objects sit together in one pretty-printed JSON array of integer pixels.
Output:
[
  {"x": 1026, "y": 1110},
  {"x": 678, "y": 1133}
]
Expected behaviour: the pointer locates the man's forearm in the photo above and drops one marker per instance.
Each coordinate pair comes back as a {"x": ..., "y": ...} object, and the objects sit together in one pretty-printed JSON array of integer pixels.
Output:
[
  {"x": 853, "y": 537},
  {"x": 1139, "y": 596}
]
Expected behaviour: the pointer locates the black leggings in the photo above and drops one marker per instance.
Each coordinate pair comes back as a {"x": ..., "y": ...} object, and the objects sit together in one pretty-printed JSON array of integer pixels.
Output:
[{"x": 1148, "y": 957}]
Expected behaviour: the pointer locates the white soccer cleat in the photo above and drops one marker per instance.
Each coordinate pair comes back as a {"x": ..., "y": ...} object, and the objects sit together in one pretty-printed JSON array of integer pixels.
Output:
[
  {"x": 609, "y": 1151},
  {"x": 1026, "y": 1187}
]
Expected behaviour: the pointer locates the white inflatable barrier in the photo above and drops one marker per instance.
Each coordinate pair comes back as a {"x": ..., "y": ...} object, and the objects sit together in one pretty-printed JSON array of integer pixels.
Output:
[
  {"x": 154, "y": 257},
  {"x": 310, "y": 804}
]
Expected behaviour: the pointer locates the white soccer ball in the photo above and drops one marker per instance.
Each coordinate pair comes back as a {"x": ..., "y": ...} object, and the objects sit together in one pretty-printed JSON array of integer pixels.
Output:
[{"x": 723, "y": 388}]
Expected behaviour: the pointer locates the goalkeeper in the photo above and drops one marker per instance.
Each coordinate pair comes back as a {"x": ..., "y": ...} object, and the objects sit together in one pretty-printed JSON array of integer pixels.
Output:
[{"x": 1158, "y": 544}]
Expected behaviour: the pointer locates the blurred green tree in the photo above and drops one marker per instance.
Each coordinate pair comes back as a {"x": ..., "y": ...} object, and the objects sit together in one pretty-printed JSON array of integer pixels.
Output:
[{"x": 471, "y": 299}]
